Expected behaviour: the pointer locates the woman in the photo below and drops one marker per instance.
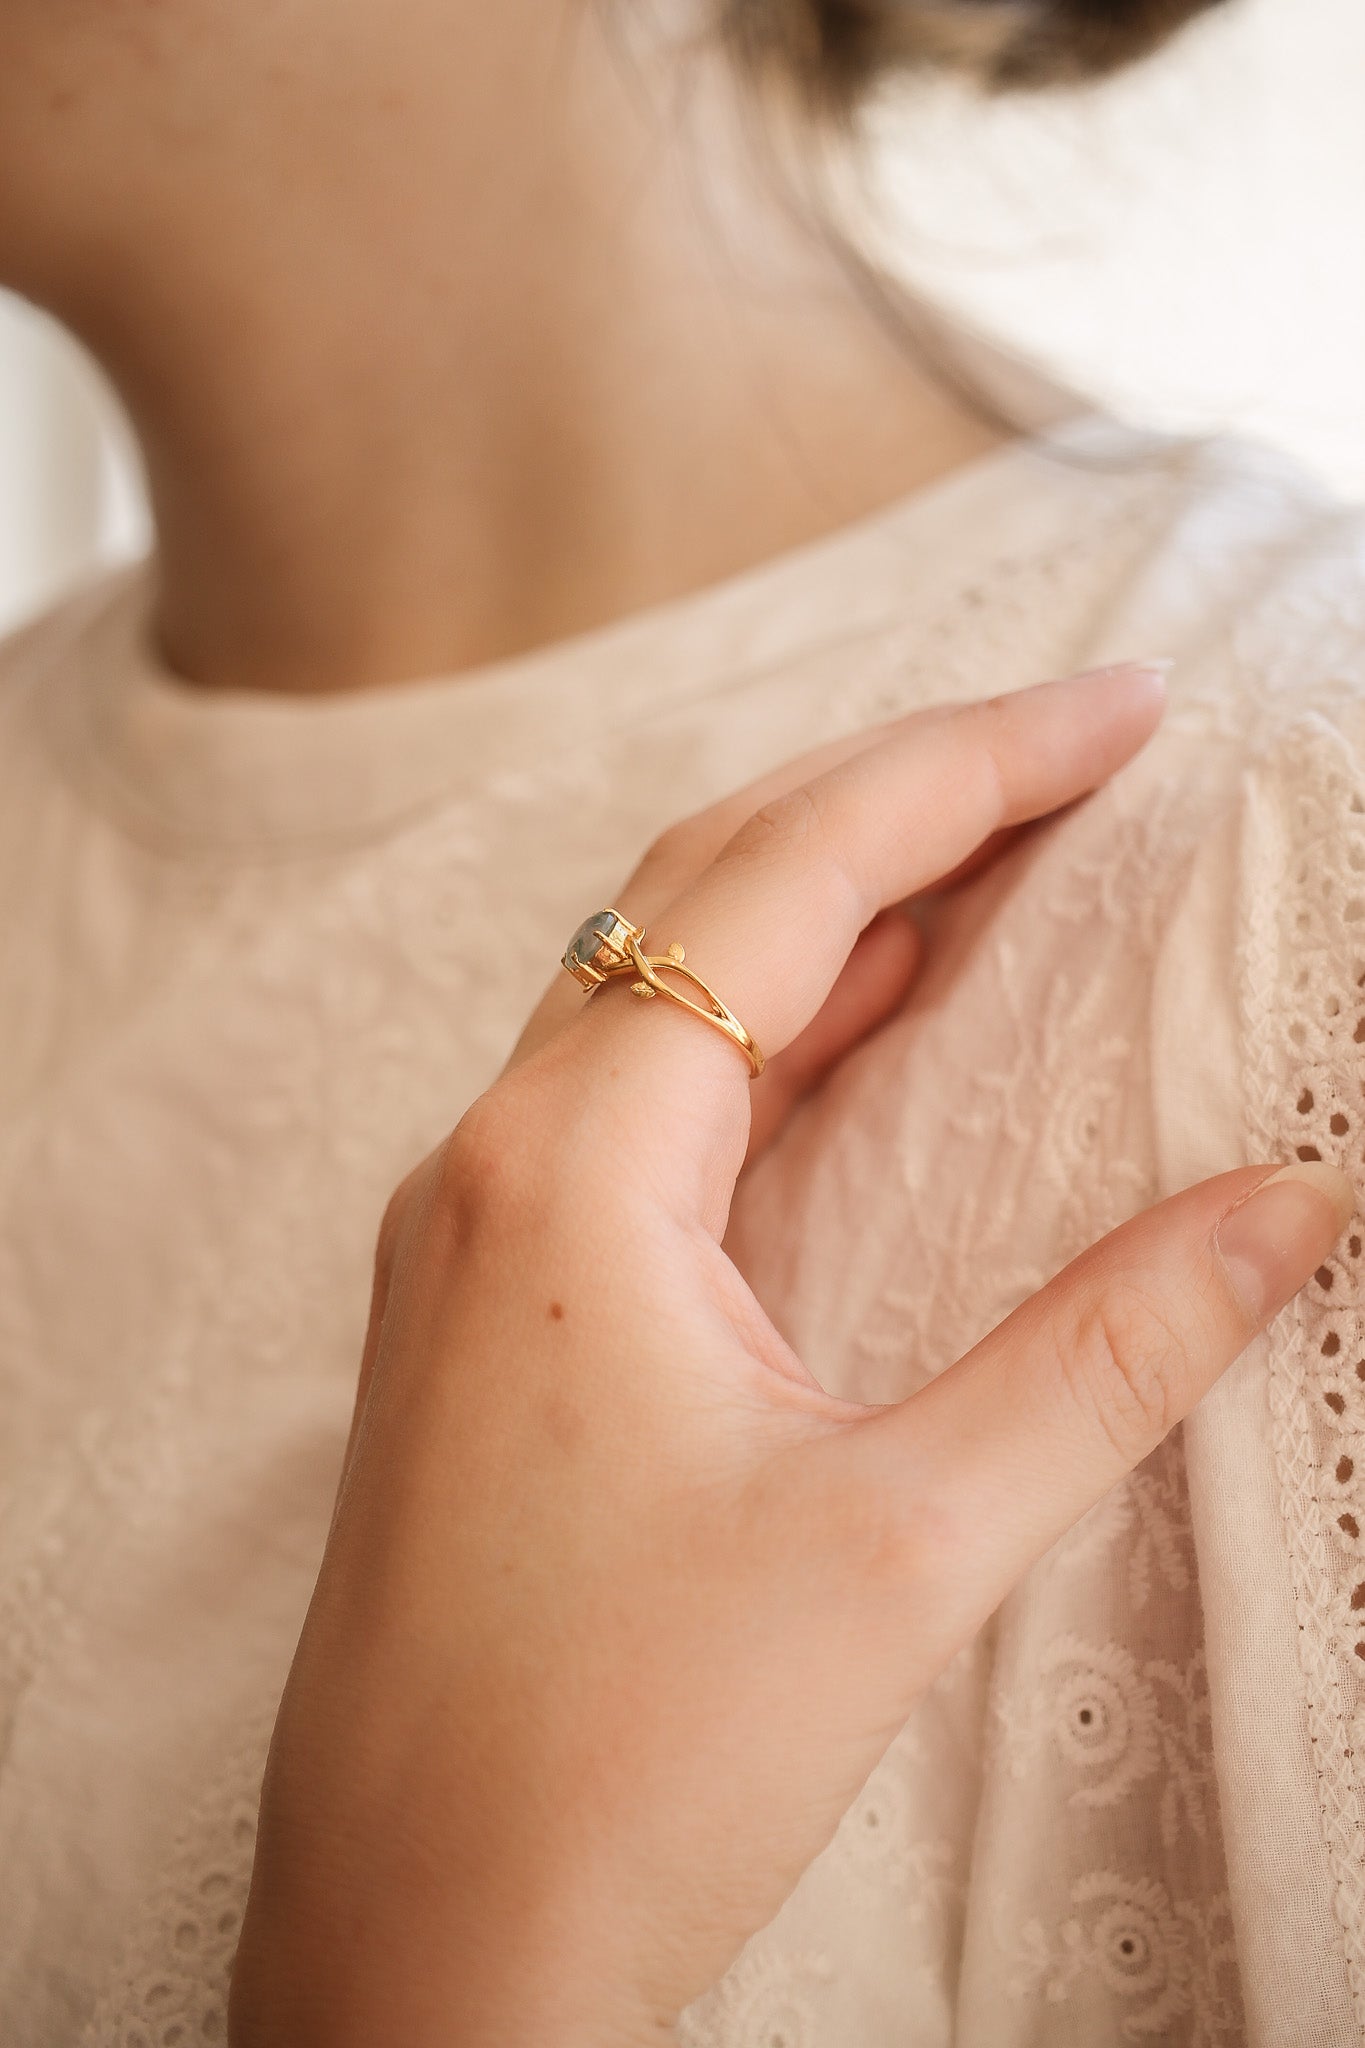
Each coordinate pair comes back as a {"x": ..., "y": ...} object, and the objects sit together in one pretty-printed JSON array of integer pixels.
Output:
[{"x": 461, "y": 349}]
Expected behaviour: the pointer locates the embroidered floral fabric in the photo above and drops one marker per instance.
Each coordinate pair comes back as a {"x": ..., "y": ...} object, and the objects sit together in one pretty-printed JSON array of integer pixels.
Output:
[
  {"x": 1303, "y": 987},
  {"x": 225, "y": 1046}
]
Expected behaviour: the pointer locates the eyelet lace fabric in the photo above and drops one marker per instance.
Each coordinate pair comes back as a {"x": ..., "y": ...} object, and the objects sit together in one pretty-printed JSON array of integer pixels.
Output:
[
  {"x": 1303, "y": 980},
  {"x": 1083, "y": 1890},
  {"x": 1043, "y": 1855}
]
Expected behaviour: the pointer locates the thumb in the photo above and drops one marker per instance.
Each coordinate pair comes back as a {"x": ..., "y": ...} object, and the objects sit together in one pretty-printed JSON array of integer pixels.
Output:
[{"x": 999, "y": 1456}]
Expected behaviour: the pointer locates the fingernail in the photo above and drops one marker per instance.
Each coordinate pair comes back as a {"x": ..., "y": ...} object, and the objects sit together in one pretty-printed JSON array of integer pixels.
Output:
[
  {"x": 1155, "y": 667},
  {"x": 1278, "y": 1236},
  {"x": 1153, "y": 672}
]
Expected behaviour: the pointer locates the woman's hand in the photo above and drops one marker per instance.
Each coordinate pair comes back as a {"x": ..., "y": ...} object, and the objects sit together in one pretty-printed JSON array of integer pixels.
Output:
[{"x": 618, "y": 1609}]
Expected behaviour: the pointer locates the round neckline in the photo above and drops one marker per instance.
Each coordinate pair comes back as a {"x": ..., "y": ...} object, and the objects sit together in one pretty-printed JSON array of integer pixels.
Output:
[{"x": 253, "y": 774}]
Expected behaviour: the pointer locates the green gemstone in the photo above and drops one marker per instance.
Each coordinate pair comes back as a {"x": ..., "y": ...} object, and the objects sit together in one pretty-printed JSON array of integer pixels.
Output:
[{"x": 586, "y": 943}]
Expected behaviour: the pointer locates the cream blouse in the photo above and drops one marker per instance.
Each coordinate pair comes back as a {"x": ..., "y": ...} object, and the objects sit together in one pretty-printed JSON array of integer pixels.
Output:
[{"x": 257, "y": 957}]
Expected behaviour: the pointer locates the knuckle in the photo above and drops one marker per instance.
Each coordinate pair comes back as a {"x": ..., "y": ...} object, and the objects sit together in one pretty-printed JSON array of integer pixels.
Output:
[
  {"x": 482, "y": 1169},
  {"x": 676, "y": 853},
  {"x": 1121, "y": 1359},
  {"x": 792, "y": 819},
  {"x": 796, "y": 827},
  {"x": 883, "y": 1535},
  {"x": 392, "y": 1224},
  {"x": 547, "y": 1146},
  {"x": 989, "y": 722}
]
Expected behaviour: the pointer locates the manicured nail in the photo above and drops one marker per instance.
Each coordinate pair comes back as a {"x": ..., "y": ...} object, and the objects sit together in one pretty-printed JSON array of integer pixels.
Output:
[
  {"x": 1278, "y": 1236},
  {"x": 1154, "y": 672},
  {"x": 1158, "y": 667}
]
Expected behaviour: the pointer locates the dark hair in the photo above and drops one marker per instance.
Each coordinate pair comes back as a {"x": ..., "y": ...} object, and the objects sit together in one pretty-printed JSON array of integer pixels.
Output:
[{"x": 835, "y": 51}]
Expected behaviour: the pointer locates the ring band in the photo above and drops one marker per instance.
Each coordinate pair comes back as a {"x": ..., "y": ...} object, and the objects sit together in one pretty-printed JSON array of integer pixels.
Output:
[{"x": 608, "y": 944}]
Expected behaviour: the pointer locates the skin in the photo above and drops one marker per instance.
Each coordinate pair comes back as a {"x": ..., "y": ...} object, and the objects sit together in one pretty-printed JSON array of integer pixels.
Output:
[
  {"x": 445, "y": 329},
  {"x": 618, "y": 1609},
  {"x": 444, "y": 335}
]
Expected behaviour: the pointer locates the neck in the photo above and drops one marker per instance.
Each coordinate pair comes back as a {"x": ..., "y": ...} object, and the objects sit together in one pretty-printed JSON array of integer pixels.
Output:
[{"x": 426, "y": 436}]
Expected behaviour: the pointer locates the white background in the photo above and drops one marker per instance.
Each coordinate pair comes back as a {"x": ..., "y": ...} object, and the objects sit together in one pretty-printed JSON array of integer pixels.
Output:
[{"x": 1187, "y": 243}]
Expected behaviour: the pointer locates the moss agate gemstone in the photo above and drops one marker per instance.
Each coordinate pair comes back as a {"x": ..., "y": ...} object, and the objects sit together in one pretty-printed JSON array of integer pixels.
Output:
[{"x": 586, "y": 943}]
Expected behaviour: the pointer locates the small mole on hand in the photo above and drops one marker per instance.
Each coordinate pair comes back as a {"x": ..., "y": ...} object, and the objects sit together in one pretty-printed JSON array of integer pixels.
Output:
[{"x": 556, "y": 1311}]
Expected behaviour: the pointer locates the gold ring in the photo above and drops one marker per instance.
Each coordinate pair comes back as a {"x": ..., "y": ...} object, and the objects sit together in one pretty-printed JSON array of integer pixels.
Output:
[{"x": 608, "y": 944}]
